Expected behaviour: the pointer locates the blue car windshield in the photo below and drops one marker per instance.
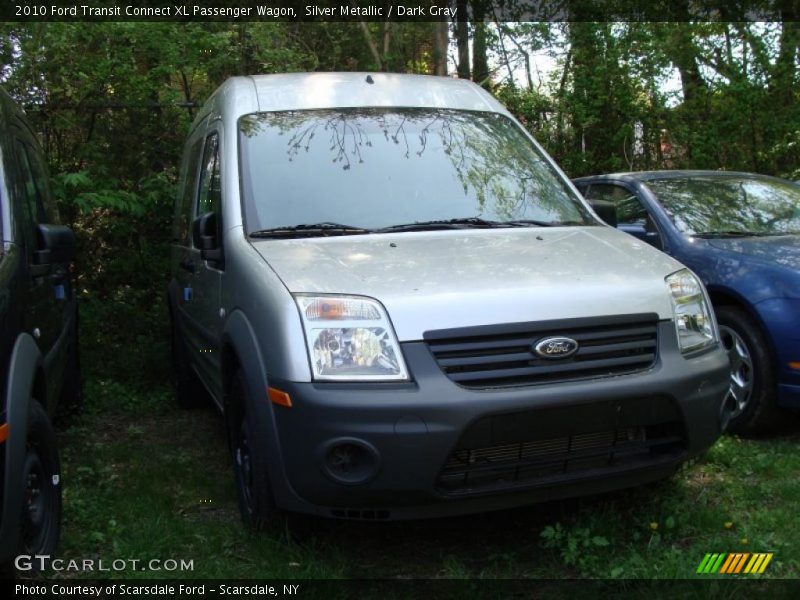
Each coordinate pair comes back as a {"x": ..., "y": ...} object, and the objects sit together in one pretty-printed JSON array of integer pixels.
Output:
[
  {"x": 375, "y": 168},
  {"x": 730, "y": 204}
]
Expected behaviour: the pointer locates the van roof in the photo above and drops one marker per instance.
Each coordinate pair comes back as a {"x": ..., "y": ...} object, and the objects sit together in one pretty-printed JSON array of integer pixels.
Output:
[{"x": 305, "y": 91}]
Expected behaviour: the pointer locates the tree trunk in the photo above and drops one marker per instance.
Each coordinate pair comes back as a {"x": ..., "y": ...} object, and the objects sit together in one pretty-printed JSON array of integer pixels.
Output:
[
  {"x": 782, "y": 81},
  {"x": 440, "y": 54},
  {"x": 683, "y": 53},
  {"x": 373, "y": 48},
  {"x": 480, "y": 64},
  {"x": 462, "y": 39}
]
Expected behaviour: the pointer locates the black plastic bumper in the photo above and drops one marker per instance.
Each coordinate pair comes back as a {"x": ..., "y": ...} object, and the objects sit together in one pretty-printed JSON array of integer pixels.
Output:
[{"x": 407, "y": 432}]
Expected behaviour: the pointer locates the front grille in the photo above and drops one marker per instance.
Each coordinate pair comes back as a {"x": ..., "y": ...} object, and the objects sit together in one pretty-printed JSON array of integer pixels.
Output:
[
  {"x": 563, "y": 444},
  {"x": 502, "y": 355}
]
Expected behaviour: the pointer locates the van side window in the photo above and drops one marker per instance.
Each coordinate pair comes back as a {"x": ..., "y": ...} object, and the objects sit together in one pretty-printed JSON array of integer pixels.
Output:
[
  {"x": 28, "y": 187},
  {"x": 210, "y": 193},
  {"x": 630, "y": 210},
  {"x": 188, "y": 186},
  {"x": 33, "y": 212},
  {"x": 40, "y": 180}
]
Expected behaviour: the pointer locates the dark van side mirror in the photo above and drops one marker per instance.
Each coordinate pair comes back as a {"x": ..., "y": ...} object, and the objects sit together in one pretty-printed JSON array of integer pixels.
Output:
[
  {"x": 205, "y": 235},
  {"x": 605, "y": 210},
  {"x": 55, "y": 244}
]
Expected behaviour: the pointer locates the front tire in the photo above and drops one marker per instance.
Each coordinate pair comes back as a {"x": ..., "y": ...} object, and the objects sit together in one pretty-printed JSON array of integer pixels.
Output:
[
  {"x": 249, "y": 452},
  {"x": 40, "y": 523},
  {"x": 753, "y": 389}
]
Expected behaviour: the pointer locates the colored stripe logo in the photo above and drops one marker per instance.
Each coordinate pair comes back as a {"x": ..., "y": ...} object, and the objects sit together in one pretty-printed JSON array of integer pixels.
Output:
[{"x": 734, "y": 563}]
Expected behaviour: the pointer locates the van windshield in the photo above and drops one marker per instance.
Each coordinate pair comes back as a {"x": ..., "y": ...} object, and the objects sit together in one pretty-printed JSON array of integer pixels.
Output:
[{"x": 364, "y": 169}]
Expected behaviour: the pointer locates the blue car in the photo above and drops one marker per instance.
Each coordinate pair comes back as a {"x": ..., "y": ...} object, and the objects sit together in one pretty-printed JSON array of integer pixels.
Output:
[{"x": 740, "y": 232}]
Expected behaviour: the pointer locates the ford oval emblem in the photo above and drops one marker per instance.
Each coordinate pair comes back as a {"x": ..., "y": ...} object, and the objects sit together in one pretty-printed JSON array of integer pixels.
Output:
[{"x": 556, "y": 347}]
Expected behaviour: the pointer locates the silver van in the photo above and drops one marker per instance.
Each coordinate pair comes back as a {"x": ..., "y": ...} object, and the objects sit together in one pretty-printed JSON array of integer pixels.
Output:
[{"x": 404, "y": 309}]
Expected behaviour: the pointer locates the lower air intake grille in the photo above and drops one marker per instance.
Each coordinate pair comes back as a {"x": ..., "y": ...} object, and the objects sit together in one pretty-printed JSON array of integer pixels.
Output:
[{"x": 562, "y": 445}]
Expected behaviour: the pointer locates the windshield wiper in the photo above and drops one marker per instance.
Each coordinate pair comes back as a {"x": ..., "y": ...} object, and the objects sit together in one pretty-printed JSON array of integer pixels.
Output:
[
  {"x": 730, "y": 233},
  {"x": 328, "y": 228},
  {"x": 310, "y": 230},
  {"x": 534, "y": 223},
  {"x": 463, "y": 223},
  {"x": 472, "y": 223}
]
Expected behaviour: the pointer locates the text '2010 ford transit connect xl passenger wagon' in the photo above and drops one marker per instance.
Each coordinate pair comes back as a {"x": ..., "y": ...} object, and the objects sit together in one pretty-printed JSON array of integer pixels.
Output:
[{"x": 404, "y": 309}]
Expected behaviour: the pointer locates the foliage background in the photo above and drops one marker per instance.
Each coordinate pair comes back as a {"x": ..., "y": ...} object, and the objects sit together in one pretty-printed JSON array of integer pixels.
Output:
[{"x": 112, "y": 103}]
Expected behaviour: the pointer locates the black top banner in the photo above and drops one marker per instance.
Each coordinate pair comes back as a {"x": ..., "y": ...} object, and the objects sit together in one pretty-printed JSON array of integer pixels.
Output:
[{"x": 399, "y": 11}]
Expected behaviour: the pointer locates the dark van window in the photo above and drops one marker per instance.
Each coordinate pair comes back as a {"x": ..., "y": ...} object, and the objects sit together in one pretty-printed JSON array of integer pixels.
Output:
[
  {"x": 188, "y": 186},
  {"x": 42, "y": 184},
  {"x": 27, "y": 185},
  {"x": 27, "y": 189},
  {"x": 210, "y": 193}
]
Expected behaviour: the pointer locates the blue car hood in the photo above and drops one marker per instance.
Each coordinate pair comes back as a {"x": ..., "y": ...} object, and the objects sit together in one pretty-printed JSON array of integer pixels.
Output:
[{"x": 777, "y": 250}]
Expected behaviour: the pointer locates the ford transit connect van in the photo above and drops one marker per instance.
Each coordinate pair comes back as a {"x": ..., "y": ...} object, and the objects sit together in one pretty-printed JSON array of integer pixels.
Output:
[{"x": 404, "y": 309}]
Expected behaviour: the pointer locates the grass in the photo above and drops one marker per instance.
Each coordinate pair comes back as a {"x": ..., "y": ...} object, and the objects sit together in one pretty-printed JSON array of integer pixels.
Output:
[{"x": 144, "y": 479}]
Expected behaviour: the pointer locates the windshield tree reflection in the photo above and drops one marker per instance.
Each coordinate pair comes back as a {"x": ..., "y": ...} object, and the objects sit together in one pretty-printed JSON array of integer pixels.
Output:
[
  {"x": 730, "y": 204},
  {"x": 376, "y": 167}
]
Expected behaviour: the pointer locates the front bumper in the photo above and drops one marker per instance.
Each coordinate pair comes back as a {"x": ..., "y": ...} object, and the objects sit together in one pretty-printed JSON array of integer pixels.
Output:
[{"x": 407, "y": 433}]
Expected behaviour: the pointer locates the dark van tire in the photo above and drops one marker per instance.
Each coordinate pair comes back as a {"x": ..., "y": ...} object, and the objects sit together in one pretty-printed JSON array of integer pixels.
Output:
[
  {"x": 753, "y": 390},
  {"x": 189, "y": 392},
  {"x": 40, "y": 522},
  {"x": 249, "y": 454}
]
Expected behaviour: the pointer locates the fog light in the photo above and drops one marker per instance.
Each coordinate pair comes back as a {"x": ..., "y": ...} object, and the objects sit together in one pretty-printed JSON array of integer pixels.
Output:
[
  {"x": 795, "y": 365},
  {"x": 350, "y": 461}
]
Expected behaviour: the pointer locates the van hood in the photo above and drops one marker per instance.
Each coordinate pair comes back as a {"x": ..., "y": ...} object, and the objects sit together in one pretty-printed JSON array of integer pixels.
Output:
[{"x": 442, "y": 279}]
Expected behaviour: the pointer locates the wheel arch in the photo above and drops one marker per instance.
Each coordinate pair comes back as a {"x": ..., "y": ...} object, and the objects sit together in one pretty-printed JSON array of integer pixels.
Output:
[
  {"x": 721, "y": 296},
  {"x": 25, "y": 380},
  {"x": 240, "y": 350}
]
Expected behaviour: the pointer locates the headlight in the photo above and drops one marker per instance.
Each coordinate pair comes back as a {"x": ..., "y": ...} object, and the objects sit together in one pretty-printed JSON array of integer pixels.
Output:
[
  {"x": 693, "y": 321},
  {"x": 349, "y": 338}
]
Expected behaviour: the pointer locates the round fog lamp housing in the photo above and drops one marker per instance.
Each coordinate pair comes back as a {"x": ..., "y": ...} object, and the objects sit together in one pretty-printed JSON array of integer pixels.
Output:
[{"x": 350, "y": 461}]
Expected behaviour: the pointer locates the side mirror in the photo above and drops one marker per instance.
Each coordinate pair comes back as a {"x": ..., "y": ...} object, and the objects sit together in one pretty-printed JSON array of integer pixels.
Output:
[
  {"x": 642, "y": 233},
  {"x": 605, "y": 210},
  {"x": 205, "y": 236},
  {"x": 56, "y": 244}
]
